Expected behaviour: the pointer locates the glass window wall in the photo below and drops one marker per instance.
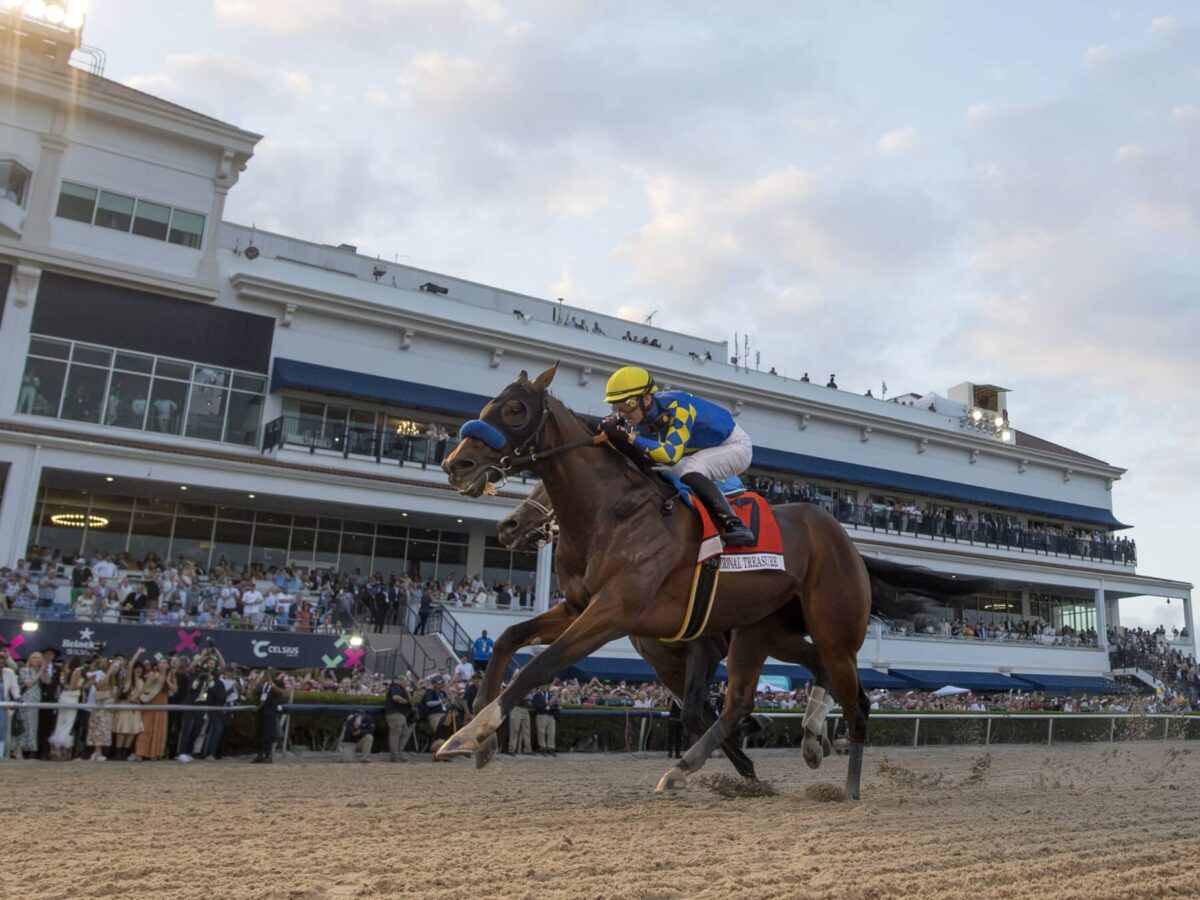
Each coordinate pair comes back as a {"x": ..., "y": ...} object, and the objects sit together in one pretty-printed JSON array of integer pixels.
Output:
[{"x": 87, "y": 383}]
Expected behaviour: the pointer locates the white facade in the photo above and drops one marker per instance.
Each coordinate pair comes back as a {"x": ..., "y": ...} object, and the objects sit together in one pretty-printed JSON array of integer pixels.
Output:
[{"x": 329, "y": 307}]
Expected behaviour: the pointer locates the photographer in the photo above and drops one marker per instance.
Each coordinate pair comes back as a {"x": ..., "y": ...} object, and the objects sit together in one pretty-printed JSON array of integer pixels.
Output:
[
  {"x": 271, "y": 694},
  {"x": 358, "y": 736},
  {"x": 398, "y": 713}
]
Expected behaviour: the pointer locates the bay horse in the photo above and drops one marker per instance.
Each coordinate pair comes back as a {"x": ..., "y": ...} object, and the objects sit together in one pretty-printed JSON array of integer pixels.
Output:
[
  {"x": 693, "y": 664},
  {"x": 685, "y": 667},
  {"x": 637, "y": 552}
]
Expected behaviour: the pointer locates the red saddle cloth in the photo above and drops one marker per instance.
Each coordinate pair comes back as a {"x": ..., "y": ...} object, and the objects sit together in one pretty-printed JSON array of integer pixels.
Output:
[{"x": 767, "y": 549}]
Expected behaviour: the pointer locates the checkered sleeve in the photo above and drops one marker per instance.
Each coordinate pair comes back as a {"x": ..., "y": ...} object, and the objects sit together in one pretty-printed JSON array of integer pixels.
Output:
[{"x": 670, "y": 449}]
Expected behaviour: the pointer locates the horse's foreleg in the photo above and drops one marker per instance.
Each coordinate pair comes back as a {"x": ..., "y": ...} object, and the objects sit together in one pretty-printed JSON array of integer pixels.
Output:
[
  {"x": 588, "y": 632},
  {"x": 745, "y": 662},
  {"x": 544, "y": 628}
]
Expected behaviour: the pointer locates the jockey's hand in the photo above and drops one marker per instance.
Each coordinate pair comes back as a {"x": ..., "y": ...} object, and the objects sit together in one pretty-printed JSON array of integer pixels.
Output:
[{"x": 616, "y": 431}]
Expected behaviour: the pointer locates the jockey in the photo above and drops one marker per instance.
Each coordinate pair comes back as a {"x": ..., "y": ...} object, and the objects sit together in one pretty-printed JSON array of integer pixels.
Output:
[{"x": 692, "y": 438}]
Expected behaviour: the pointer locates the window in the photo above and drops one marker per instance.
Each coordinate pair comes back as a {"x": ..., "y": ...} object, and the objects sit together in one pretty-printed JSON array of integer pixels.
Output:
[
  {"x": 14, "y": 179},
  {"x": 187, "y": 228},
  {"x": 114, "y": 211},
  {"x": 77, "y": 202},
  {"x": 92, "y": 206},
  {"x": 150, "y": 220}
]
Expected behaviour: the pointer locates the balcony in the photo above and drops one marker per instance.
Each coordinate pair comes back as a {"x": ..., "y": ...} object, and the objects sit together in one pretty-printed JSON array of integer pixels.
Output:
[
  {"x": 329, "y": 438},
  {"x": 945, "y": 527}
]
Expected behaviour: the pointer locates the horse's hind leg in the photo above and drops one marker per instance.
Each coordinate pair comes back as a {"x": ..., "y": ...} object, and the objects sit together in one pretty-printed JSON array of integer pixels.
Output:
[
  {"x": 790, "y": 646},
  {"x": 745, "y": 662},
  {"x": 698, "y": 715},
  {"x": 856, "y": 708}
]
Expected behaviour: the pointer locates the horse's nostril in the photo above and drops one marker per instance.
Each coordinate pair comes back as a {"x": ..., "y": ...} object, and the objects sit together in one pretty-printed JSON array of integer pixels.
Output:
[{"x": 461, "y": 464}]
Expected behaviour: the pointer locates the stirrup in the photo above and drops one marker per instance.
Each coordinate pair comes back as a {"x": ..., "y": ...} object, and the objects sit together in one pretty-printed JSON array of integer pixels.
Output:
[{"x": 736, "y": 536}]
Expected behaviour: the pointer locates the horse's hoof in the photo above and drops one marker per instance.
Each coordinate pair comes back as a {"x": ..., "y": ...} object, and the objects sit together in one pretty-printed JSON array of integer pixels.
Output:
[
  {"x": 674, "y": 780},
  {"x": 486, "y": 753},
  {"x": 811, "y": 748},
  {"x": 851, "y": 792},
  {"x": 456, "y": 745}
]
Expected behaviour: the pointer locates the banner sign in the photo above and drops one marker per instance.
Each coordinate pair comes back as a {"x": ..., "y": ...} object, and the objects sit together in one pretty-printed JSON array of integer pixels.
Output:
[{"x": 252, "y": 649}]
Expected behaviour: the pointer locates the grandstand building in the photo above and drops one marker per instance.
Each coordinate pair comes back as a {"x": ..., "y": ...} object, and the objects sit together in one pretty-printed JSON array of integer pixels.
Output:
[{"x": 174, "y": 383}]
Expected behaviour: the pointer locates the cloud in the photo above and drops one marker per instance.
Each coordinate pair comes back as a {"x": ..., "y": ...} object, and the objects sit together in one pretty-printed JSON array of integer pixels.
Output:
[
  {"x": 901, "y": 141},
  {"x": 1187, "y": 114},
  {"x": 980, "y": 113},
  {"x": 1099, "y": 55}
]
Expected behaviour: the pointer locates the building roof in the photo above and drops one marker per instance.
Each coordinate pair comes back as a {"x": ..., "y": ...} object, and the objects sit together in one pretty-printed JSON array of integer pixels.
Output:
[{"x": 1025, "y": 439}]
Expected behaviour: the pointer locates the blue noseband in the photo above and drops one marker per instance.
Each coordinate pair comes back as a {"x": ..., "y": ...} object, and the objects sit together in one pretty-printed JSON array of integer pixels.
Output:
[{"x": 489, "y": 434}]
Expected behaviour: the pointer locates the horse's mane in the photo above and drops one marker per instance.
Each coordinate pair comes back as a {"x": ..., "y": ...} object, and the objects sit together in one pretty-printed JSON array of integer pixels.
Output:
[{"x": 634, "y": 463}]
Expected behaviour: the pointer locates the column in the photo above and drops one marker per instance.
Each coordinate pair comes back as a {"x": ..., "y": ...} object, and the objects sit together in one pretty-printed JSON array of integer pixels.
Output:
[
  {"x": 475, "y": 545},
  {"x": 1101, "y": 618},
  {"x": 19, "y": 499},
  {"x": 1190, "y": 622},
  {"x": 1025, "y": 603},
  {"x": 42, "y": 198},
  {"x": 541, "y": 584}
]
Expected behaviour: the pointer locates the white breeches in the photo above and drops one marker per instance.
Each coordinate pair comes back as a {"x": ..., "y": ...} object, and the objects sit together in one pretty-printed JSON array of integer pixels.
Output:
[{"x": 723, "y": 461}]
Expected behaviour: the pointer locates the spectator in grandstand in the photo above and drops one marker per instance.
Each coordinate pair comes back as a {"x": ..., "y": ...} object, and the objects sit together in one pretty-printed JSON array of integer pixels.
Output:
[
  {"x": 482, "y": 650},
  {"x": 464, "y": 670}
]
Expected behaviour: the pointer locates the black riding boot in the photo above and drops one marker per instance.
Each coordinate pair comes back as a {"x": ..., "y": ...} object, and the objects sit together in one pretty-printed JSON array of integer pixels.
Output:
[{"x": 733, "y": 532}]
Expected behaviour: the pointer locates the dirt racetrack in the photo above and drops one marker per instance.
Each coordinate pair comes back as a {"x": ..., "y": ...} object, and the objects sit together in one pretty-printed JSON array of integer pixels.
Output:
[{"x": 1072, "y": 821}]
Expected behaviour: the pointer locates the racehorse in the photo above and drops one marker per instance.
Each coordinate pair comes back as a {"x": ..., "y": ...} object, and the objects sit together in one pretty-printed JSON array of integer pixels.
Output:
[
  {"x": 685, "y": 667},
  {"x": 693, "y": 663},
  {"x": 637, "y": 553}
]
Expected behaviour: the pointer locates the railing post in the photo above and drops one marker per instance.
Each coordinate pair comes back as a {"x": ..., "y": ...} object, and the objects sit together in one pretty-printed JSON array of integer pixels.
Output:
[
  {"x": 1050, "y": 732},
  {"x": 987, "y": 735},
  {"x": 1112, "y": 730},
  {"x": 916, "y": 729},
  {"x": 1166, "y": 727},
  {"x": 287, "y": 728}
]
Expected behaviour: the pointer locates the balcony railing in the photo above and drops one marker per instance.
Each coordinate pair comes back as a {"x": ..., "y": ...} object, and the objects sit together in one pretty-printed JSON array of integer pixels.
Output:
[
  {"x": 382, "y": 445},
  {"x": 1002, "y": 536}
]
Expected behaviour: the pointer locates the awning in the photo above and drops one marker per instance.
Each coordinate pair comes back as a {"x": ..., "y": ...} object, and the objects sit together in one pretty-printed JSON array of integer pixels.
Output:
[
  {"x": 1066, "y": 684},
  {"x": 302, "y": 376},
  {"x": 853, "y": 473},
  {"x": 606, "y": 668},
  {"x": 932, "y": 679}
]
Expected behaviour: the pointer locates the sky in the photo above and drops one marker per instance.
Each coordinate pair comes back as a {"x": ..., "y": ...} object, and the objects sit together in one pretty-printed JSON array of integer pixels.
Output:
[{"x": 921, "y": 193}]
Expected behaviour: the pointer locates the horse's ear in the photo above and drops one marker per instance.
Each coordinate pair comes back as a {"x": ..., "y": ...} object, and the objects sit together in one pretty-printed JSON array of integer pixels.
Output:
[
  {"x": 543, "y": 381},
  {"x": 522, "y": 377}
]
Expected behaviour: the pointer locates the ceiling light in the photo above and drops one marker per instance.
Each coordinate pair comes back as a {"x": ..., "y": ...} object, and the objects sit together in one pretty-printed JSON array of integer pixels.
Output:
[
  {"x": 108, "y": 478},
  {"x": 405, "y": 515},
  {"x": 55, "y": 14},
  {"x": 251, "y": 496},
  {"x": 78, "y": 520},
  {"x": 459, "y": 521},
  {"x": 183, "y": 487},
  {"x": 35, "y": 9}
]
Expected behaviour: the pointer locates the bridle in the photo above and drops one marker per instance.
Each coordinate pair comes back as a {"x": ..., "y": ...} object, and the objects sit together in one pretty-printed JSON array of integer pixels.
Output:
[{"x": 525, "y": 452}]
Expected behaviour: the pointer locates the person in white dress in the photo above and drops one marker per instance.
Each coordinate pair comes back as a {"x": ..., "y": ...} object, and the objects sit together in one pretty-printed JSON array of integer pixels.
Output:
[{"x": 62, "y": 741}]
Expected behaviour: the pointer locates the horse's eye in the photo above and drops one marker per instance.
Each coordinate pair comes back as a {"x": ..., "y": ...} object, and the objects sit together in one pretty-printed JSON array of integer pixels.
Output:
[{"x": 513, "y": 412}]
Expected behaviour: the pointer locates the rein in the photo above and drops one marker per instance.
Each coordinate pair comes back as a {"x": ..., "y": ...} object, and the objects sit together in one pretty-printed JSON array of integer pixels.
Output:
[{"x": 507, "y": 464}]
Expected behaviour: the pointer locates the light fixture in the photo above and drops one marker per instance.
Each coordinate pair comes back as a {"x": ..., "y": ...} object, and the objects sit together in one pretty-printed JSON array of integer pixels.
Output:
[
  {"x": 998, "y": 420},
  {"x": 251, "y": 496},
  {"x": 108, "y": 478},
  {"x": 183, "y": 487},
  {"x": 55, "y": 14},
  {"x": 356, "y": 640},
  {"x": 977, "y": 414},
  {"x": 29, "y": 626},
  {"x": 405, "y": 515},
  {"x": 459, "y": 521},
  {"x": 430, "y": 288},
  {"x": 78, "y": 520},
  {"x": 1006, "y": 435}
]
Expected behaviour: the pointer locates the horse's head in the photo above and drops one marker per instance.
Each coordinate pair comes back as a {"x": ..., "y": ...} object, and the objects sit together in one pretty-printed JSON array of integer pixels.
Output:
[
  {"x": 529, "y": 525},
  {"x": 509, "y": 425}
]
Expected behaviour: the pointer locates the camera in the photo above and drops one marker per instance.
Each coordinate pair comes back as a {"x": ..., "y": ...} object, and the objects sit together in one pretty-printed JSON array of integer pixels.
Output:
[
  {"x": 98, "y": 647},
  {"x": 210, "y": 642}
]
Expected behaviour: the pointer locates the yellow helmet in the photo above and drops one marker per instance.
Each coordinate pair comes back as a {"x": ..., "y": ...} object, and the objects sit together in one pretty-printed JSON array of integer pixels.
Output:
[{"x": 630, "y": 381}]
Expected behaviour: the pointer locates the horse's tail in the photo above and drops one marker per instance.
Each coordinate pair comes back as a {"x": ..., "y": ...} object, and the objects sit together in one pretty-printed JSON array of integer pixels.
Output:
[{"x": 899, "y": 591}]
